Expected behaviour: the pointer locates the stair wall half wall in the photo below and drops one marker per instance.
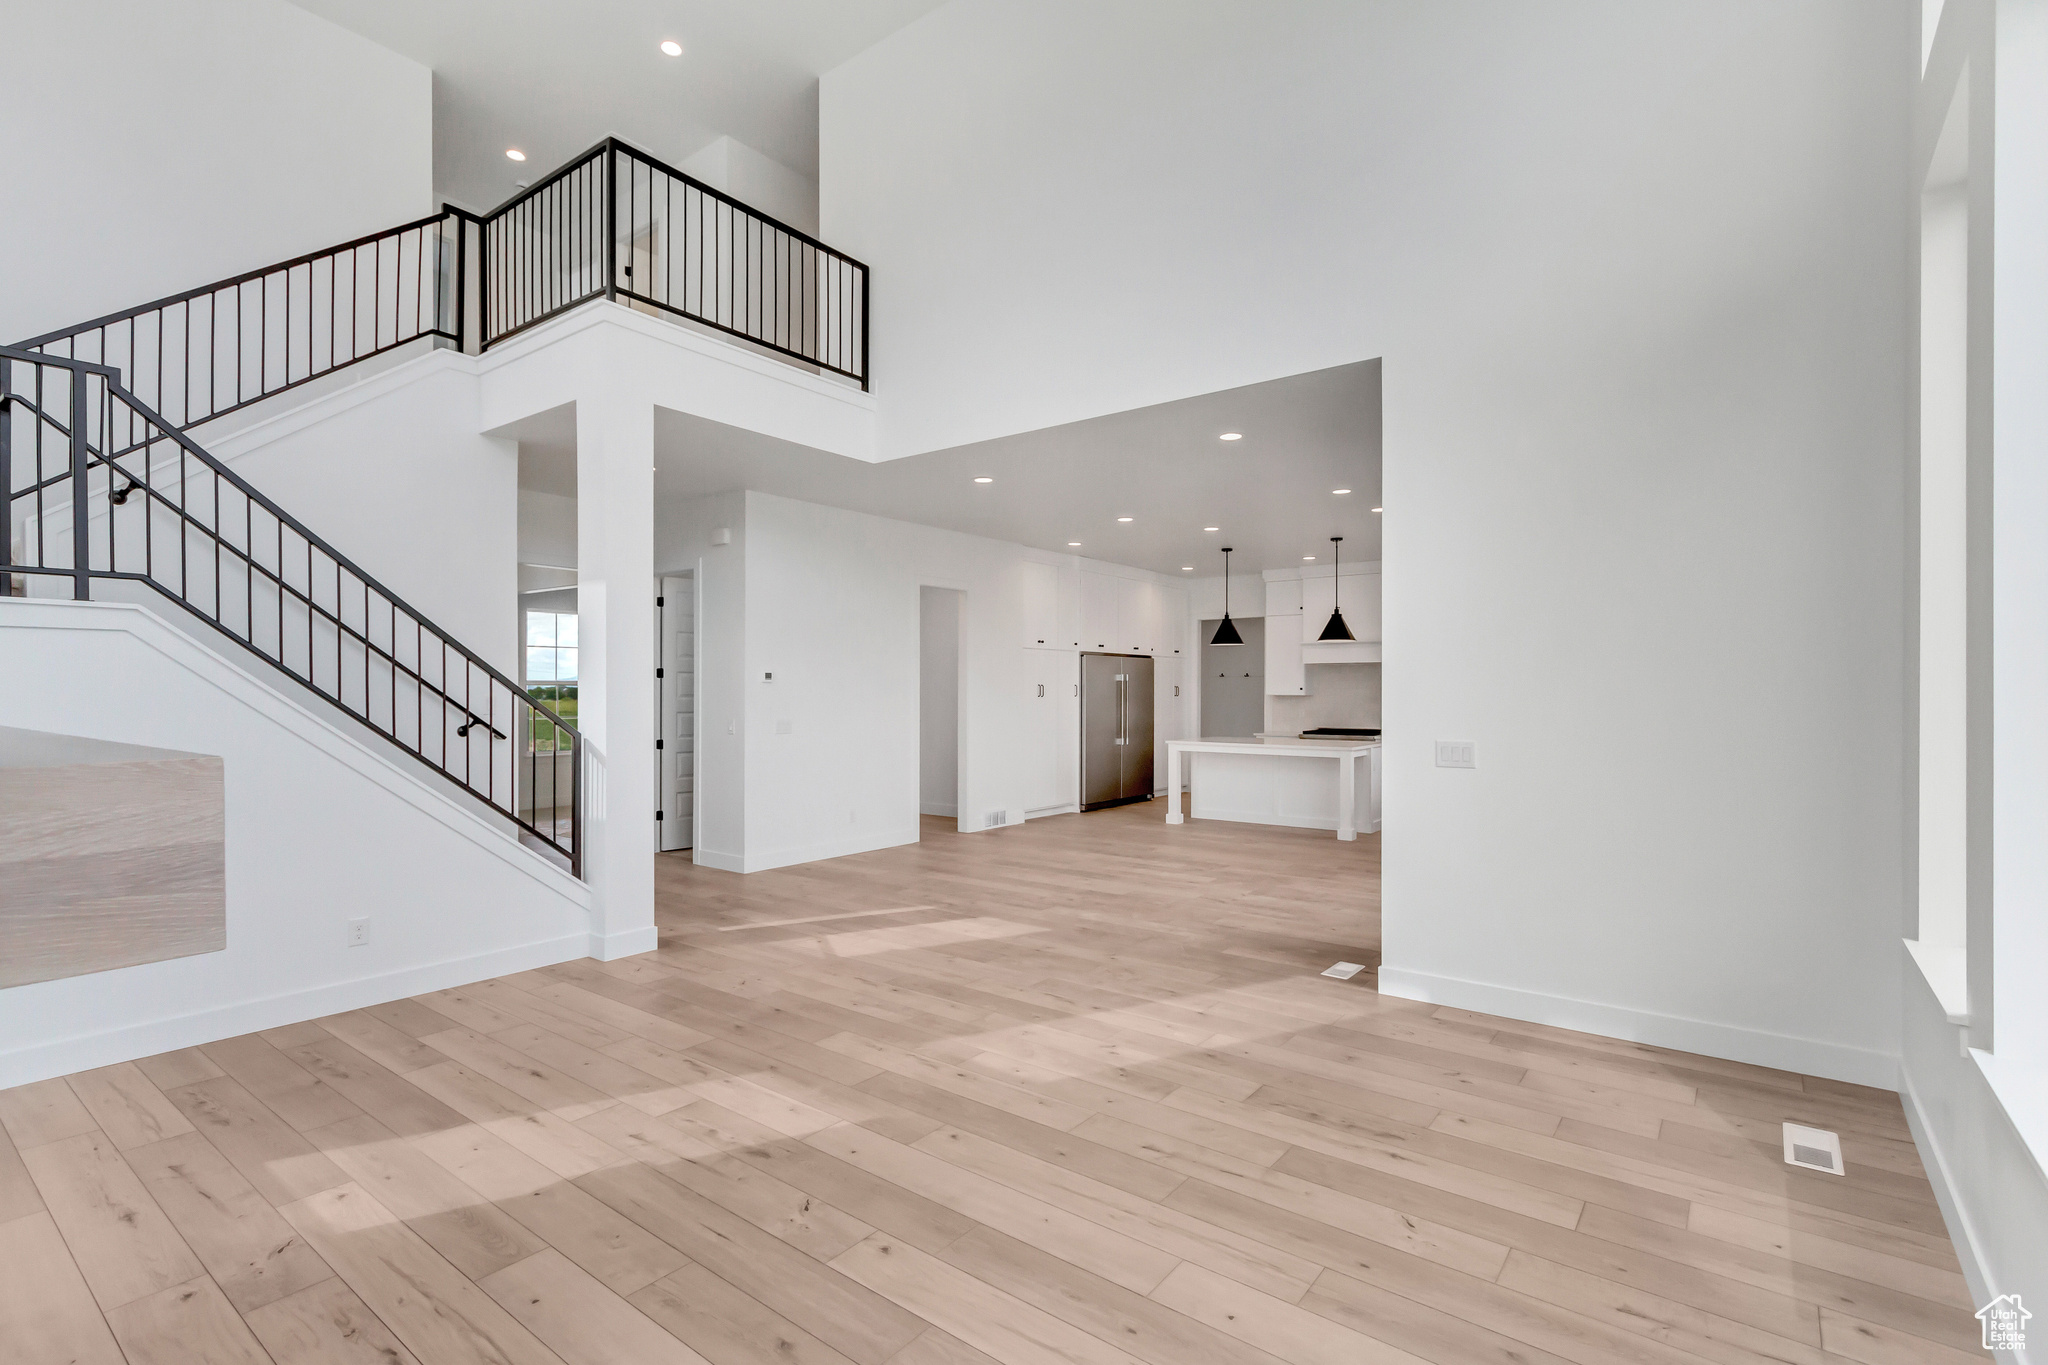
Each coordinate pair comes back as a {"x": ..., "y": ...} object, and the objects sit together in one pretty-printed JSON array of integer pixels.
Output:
[{"x": 322, "y": 825}]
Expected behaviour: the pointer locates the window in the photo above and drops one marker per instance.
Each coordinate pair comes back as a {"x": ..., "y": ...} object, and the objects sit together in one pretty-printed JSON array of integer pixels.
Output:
[
  {"x": 550, "y": 647},
  {"x": 550, "y": 676}
]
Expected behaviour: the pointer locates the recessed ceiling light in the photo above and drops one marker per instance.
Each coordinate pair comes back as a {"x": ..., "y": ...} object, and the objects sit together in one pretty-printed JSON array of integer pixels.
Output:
[
  {"x": 984, "y": 479},
  {"x": 1378, "y": 509},
  {"x": 1308, "y": 559},
  {"x": 1187, "y": 568},
  {"x": 1123, "y": 518},
  {"x": 1231, "y": 436},
  {"x": 515, "y": 154},
  {"x": 1073, "y": 545},
  {"x": 1212, "y": 528},
  {"x": 671, "y": 47},
  {"x": 1340, "y": 491}
]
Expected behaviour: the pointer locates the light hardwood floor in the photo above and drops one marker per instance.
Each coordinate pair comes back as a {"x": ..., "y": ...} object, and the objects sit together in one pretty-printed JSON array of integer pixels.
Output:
[{"x": 1066, "y": 1092}]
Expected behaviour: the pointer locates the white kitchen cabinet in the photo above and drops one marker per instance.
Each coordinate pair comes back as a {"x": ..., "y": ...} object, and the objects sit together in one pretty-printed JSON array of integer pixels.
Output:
[
  {"x": 1099, "y": 612},
  {"x": 1283, "y": 597},
  {"x": 1048, "y": 710},
  {"x": 1137, "y": 616},
  {"x": 1285, "y": 676},
  {"x": 1173, "y": 621},
  {"x": 1042, "y": 607}
]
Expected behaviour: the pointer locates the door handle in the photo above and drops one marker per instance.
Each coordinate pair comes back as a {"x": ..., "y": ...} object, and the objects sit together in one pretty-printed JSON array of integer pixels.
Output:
[{"x": 1122, "y": 733}]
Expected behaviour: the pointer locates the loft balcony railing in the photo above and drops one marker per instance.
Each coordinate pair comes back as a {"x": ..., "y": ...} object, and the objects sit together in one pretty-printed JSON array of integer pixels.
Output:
[
  {"x": 616, "y": 223},
  {"x": 613, "y": 224},
  {"x": 104, "y": 493}
]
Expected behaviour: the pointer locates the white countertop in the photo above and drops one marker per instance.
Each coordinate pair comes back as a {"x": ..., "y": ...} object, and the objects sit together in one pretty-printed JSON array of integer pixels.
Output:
[{"x": 1296, "y": 747}]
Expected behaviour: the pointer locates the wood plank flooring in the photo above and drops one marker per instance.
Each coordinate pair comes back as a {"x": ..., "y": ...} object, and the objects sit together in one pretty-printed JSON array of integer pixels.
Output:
[{"x": 1065, "y": 1092}]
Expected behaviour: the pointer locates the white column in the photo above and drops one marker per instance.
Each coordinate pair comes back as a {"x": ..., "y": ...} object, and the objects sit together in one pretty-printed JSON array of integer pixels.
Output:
[
  {"x": 1173, "y": 760},
  {"x": 1347, "y": 795},
  {"x": 615, "y": 689}
]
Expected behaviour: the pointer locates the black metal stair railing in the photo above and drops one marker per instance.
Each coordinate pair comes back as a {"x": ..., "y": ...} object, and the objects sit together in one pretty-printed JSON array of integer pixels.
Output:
[
  {"x": 612, "y": 224},
  {"x": 102, "y": 484},
  {"x": 102, "y": 490},
  {"x": 217, "y": 349}
]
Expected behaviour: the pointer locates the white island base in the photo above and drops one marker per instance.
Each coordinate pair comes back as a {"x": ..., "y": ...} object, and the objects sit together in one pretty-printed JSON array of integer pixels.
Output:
[{"x": 1306, "y": 784}]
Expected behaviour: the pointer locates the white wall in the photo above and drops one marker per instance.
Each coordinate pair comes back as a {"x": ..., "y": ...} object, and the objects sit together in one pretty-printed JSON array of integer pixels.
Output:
[
  {"x": 758, "y": 181},
  {"x": 154, "y": 147},
  {"x": 1638, "y": 277},
  {"x": 829, "y": 602},
  {"x": 938, "y": 701},
  {"x": 395, "y": 473},
  {"x": 324, "y": 825}
]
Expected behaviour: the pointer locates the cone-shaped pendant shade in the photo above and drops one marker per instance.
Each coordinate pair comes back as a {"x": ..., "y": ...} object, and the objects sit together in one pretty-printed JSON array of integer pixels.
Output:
[
  {"x": 1226, "y": 633},
  {"x": 1334, "y": 628}
]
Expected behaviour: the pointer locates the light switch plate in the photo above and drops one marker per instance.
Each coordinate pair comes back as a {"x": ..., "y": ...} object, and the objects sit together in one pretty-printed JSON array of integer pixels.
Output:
[{"x": 1456, "y": 753}]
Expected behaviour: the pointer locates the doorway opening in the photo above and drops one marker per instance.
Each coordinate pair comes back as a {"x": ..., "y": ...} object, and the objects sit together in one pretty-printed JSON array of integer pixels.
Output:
[
  {"x": 675, "y": 702},
  {"x": 1233, "y": 695},
  {"x": 940, "y": 611}
]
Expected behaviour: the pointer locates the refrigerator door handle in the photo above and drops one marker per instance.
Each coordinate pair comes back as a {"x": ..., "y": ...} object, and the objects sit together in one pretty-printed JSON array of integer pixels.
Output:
[{"x": 1122, "y": 732}]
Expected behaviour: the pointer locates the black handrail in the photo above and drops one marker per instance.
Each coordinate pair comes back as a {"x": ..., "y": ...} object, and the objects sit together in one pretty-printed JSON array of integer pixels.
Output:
[
  {"x": 217, "y": 349},
  {"x": 206, "y": 547}
]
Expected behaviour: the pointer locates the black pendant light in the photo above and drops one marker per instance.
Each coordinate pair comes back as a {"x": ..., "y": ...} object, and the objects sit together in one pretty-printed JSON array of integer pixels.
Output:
[
  {"x": 1336, "y": 629},
  {"x": 1226, "y": 633}
]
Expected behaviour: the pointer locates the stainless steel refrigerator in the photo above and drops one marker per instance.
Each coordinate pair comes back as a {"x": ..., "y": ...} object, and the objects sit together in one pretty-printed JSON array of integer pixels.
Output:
[{"x": 1116, "y": 729}]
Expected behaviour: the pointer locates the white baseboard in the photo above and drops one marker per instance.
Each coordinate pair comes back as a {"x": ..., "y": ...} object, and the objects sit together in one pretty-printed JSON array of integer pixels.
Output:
[
  {"x": 1785, "y": 1052},
  {"x": 1976, "y": 1272},
  {"x": 711, "y": 857},
  {"x": 86, "y": 1051},
  {"x": 939, "y": 808},
  {"x": 1064, "y": 808},
  {"x": 626, "y": 943},
  {"x": 789, "y": 855}
]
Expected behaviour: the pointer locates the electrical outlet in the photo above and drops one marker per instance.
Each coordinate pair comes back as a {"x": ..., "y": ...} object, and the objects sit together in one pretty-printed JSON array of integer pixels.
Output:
[
  {"x": 732, "y": 727},
  {"x": 783, "y": 727},
  {"x": 358, "y": 933},
  {"x": 853, "y": 817},
  {"x": 1456, "y": 753}
]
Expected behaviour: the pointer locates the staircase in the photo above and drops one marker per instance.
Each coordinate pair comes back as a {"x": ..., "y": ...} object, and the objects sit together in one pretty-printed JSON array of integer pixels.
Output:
[{"x": 106, "y": 485}]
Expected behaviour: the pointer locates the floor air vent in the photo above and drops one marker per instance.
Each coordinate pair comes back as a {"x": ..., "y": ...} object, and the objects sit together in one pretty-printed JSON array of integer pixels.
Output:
[
  {"x": 997, "y": 817},
  {"x": 1815, "y": 1149}
]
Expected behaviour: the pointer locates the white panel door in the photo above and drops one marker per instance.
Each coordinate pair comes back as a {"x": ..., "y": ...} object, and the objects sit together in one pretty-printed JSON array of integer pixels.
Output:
[
  {"x": 1042, "y": 606},
  {"x": 1098, "y": 612},
  {"x": 676, "y": 696}
]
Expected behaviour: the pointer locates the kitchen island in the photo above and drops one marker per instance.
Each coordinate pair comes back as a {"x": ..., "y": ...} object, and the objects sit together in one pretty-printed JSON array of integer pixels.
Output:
[{"x": 1303, "y": 783}]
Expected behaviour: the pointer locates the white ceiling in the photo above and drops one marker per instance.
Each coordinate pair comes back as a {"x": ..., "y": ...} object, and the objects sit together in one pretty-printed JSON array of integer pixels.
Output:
[
  {"x": 1164, "y": 467},
  {"x": 553, "y": 78}
]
